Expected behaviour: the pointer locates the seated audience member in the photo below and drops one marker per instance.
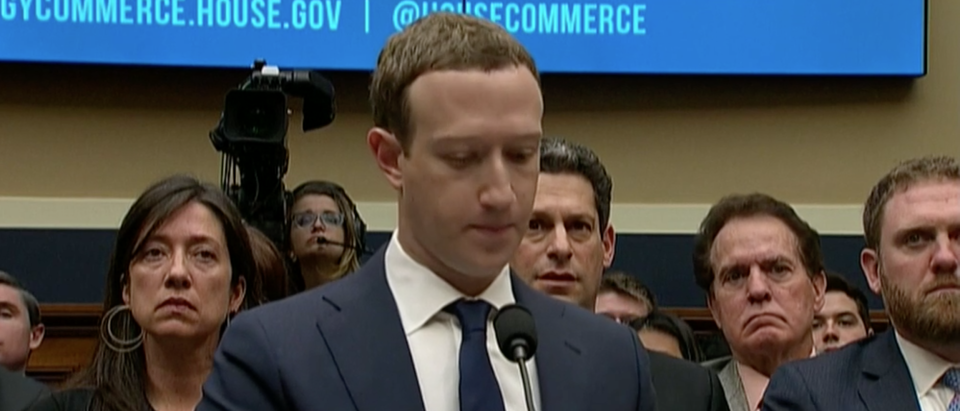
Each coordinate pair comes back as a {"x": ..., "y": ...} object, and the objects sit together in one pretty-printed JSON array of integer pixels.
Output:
[
  {"x": 271, "y": 265},
  {"x": 17, "y": 392},
  {"x": 570, "y": 241},
  {"x": 762, "y": 270},
  {"x": 180, "y": 268},
  {"x": 844, "y": 317},
  {"x": 624, "y": 298},
  {"x": 911, "y": 259},
  {"x": 663, "y": 332},
  {"x": 21, "y": 330},
  {"x": 325, "y": 235}
]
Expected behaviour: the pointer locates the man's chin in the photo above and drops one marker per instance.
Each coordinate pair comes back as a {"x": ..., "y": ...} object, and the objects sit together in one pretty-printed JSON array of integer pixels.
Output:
[
  {"x": 825, "y": 350},
  {"x": 767, "y": 339},
  {"x": 558, "y": 293}
]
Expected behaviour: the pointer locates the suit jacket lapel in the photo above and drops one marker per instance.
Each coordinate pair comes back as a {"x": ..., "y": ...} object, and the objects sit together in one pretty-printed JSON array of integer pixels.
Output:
[
  {"x": 366, "y": 339},
  {"x": 559, "y": 363},
  {"x": 729, "y": 378},
  {"x": 887, "y": 384}
]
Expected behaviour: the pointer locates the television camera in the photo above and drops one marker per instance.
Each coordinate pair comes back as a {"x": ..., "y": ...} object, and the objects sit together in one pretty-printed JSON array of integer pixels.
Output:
[{"x": 252, "y": 139}]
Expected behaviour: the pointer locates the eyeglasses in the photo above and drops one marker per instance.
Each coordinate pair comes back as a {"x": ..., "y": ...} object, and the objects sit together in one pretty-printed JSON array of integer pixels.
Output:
[
  {"x": 622, "y": 319},
  {"x": 304, "y": 220}
]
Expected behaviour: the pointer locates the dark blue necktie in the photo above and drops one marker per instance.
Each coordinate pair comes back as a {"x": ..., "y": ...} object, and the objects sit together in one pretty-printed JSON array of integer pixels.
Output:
[{"x": 479, "y": 390}]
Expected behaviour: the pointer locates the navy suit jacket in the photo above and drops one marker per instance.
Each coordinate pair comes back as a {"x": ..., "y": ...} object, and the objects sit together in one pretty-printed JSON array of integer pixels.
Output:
[
  {"x": 868, "y": 375},
  {"x": 342, "y": 347}
]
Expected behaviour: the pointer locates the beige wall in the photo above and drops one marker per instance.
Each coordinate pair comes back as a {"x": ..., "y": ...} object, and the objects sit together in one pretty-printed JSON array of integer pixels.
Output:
[{"x": 107, "y": 132}]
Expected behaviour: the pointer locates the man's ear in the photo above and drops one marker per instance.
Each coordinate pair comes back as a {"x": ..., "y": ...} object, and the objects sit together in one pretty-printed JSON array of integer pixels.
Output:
[
  {"x": 609, "y": 240},
  {"x": 36, "y": 336},
  {"x": 714, "y": 310},
  {"x": 387, "y": 151},
  {"x": 819, "y": 290},
  {"x": 870, "y": 264}
]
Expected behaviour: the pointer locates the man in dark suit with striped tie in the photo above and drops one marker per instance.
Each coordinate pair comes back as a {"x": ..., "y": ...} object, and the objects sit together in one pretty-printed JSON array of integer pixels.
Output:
[{"x": 911, "y": 224}]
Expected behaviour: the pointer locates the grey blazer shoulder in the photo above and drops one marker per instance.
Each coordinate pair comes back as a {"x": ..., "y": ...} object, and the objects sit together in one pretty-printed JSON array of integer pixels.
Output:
[{"x": 729, "y": 375}]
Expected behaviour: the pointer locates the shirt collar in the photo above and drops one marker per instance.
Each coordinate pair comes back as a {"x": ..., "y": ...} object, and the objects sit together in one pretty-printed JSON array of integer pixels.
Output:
[
  {"x": 925, "y": 367},
  {"x": 420, "y": 294}
]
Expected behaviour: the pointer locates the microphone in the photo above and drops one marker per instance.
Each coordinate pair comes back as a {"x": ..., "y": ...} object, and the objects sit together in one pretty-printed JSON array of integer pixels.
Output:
[
  {"x": 323, "y": 240},
  {"x": 517, "y": 339}
]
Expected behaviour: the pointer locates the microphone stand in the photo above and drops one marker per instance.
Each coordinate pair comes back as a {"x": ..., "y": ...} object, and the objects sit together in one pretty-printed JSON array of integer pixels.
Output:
[{"x": 521, "y": 354}]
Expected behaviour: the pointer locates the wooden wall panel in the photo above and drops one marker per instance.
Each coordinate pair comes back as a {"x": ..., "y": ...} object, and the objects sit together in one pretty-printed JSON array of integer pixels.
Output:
[{"x": 73, "y": 330}]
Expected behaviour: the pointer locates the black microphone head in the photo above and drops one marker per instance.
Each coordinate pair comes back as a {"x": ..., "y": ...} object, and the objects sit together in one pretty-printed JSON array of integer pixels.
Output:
[{"x": 514, "y": 327}]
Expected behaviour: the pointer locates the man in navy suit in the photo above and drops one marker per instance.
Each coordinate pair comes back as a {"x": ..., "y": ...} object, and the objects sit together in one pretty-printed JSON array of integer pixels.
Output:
[
  {"x": 911, "y": 224},
  {"x": 457, "y": 110},
  {"x": 568, "y": 245}
]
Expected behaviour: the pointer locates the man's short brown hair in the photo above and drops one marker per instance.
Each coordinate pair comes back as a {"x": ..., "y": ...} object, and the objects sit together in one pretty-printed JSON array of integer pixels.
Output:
[
  {"x": 438, "y": 41},
  {"x": 899, "y": 179}
]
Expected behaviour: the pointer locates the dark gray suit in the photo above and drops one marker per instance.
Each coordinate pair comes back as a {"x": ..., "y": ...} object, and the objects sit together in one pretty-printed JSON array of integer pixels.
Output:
[
  {"x": 685, "y": 386},
  {"x": 868, "y": 375},
  {"x": 18, "y": 392},
  {"x": 342, "y": 347}
]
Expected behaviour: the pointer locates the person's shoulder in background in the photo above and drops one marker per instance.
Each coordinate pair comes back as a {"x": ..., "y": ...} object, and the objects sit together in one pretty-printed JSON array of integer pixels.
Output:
[{"x": 683, "y": 385}]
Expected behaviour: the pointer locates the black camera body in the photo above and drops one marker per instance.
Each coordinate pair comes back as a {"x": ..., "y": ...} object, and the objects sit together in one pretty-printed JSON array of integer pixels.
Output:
[{"x": 252, "y": 138}]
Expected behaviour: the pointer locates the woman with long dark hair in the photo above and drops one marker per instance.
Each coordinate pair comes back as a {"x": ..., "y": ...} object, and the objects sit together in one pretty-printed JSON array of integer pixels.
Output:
[{"x": 181, "y": 267}]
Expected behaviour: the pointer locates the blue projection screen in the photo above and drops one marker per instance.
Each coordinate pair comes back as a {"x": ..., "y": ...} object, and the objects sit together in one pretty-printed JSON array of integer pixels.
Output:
[{"x": 792, "y": 37}]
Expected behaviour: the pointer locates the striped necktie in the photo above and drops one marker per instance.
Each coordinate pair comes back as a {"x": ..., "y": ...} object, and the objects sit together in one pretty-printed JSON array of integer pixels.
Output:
[{"x": 951, "y": 379}]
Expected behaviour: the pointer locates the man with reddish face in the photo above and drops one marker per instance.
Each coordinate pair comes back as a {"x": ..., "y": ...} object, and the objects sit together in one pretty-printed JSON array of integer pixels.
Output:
[
  {"x": 911, "y": 224},
  {"x": 762, "y": 269},
  {"x": 457, "y": 129}
]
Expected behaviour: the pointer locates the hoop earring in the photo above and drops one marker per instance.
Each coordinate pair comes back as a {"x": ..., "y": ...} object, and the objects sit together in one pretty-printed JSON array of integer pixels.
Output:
[{"x": 110, "y": 339}]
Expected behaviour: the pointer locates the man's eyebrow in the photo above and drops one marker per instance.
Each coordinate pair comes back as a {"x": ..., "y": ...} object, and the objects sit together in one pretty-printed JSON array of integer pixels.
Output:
[{"x": 9, "y": 305}]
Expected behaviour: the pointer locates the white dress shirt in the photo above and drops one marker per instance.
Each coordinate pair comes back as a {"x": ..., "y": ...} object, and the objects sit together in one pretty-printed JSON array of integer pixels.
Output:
[
  {"x": 926, "y": 370},
  {"x": 434, "y": 335}
]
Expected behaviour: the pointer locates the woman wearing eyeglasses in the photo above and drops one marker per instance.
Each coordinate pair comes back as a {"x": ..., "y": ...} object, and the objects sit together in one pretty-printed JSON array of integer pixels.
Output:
[{"x": 324, "y": 236}]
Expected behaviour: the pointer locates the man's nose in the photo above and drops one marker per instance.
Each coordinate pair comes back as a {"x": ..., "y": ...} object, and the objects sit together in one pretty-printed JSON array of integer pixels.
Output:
[
  {"x": 560, "y": 244},
  {"x": 497, "y": 193},
  {"x": 757, "y": 287},
  {"x": 945, "y": 258},
  {"x": 830, "y": 332}
]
